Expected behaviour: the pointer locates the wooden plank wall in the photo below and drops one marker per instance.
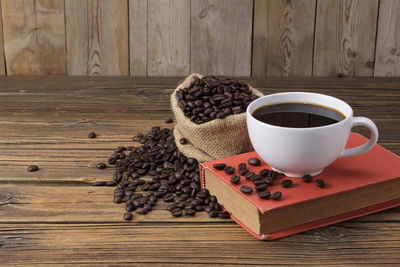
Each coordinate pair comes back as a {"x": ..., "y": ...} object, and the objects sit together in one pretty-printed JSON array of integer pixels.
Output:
[{"x": 261, "y": 38}]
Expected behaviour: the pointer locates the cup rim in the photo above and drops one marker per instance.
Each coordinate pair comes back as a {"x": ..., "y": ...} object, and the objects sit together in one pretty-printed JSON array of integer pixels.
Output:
[{"x": 252, "y": 104}]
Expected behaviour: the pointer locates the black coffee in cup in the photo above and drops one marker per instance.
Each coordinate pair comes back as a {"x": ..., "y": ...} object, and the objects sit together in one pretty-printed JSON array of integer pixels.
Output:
[{"x": 297, "y": 115}]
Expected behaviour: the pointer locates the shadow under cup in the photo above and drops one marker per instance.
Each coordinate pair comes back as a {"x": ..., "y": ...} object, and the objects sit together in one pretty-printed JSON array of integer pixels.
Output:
[{"x": 299, "y": 151}]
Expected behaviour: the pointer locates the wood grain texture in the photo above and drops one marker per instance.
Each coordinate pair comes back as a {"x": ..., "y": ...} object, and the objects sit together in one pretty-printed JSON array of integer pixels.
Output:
[
  {"x": 2, "y": 60},
  {"x": 138, "y": 37},
  {"x": 221, "y": 37},
  {"x": 54, "y": 216},
  {"x": 34, "y": 36},
  {"x": 387, "y": 57},
  {"x": 168, "y": 47},
  {"x": 108, "y": 37},
  {"x": 344, "y": 37},
  {"x": 283, "y": 38},
  {"x": 77, "y": 41}
]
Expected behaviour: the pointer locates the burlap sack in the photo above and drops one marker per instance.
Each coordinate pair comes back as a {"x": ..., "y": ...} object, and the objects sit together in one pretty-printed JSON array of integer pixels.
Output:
[{"x": 215, "y": 139}]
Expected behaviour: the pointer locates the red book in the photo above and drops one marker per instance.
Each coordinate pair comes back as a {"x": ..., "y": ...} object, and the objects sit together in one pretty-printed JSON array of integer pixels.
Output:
[{"x": 355, "y": 186}]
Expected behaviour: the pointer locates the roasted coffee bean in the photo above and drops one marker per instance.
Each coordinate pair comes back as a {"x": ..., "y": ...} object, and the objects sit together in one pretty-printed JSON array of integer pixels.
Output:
[
  {"x": 33, "y": 168},
  {"x": 183, "y": 141},
  {"x": 213, "y": 213},
  {"x": 320, "y": 183},
  {"x": 276, "y": 195},
  {"x": 169, "y": 120},
  {"x": 307, "y": 178},
  {"x": 199, "y": 208},
  {"x": 112, "y": 160},
  {"x": 286, "y": 183},
  {"x": 224, "y": 215},
  {"x": 243, "y": 172},
  {"x": 207, "y": 209},
  {"x": 246, "y": 189},
  {"x": 147, "y": 207},
  {"x": 92, "y": 135},
  {"x": 255, "y": 177},
  {"x": 269, "y": 180},
  {"x": 254, "y": 162},
  {"x": 110, "y": 183},
  {"x": 261, "y": 187},
  {"x": 249, "y": 175},
  {"x": 264, "y": 195},
  {"x": 264, "y": 173},
  {"x": 168, "y": 198},
  {"x": 219, "y": 166},
  {"x": 130, "y": 207},
  {"x": 190, "y": 212},
  {"x": 229, "y": 170},
  {"x": 141, "y": 211},
  {"x": 235, "y": 179},
  {"x": 101, "y": 165},
  {"x": 172, "y": 207},
  {"x": 128, "y": 216},
  {"x": 176, "y": 212},
  {"x": 241, "y": 166},
  {"x": 99, "y": 184}
]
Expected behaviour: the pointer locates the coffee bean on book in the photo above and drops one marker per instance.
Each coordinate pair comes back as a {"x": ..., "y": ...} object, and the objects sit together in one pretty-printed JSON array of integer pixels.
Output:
[
  {"x": 307, "y": 178},
  {"x": 101, "y": 165},
  {"x": 229, "y": 169},
  {"x": 190, "y": 212},
  {"x": 254, "y": 162},
  {"x": 264, "y": 195},
  {"x": 261, "y": 187},
  {"x": 249, "y": 175},
  {"x": 213, "y": 213},
  {"x": 320, "y": 183},
  {"x": 286, "y": 183},
  {"x": 219, "y": 166},
  {"x": 33, "y": 168},
  {"x": 177, "y": 212},
  {"x": 141, "y": 211},
  {"x": 246, "y": 189},
  {"x": 92, "y": 135},
  {"x": 243, "y": 172},
  {"x": 276, "y": 195},
  {"x": 169, "y": 120},
  {"x": 224, "y": 215},
  {"x": 241, "y": 166},
  {"x": 264, "y": 173},
  {"x": 235, "y": 179}
]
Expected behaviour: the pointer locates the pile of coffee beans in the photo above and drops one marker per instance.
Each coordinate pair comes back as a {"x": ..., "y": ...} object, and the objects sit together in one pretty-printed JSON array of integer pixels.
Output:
[
  {"x": 174, "y": 178},
  {"x": 213, "y": 97}
]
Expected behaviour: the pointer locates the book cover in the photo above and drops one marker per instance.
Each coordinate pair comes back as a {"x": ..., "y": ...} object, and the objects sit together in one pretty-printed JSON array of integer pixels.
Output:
[{"x": 377, "y": 166}]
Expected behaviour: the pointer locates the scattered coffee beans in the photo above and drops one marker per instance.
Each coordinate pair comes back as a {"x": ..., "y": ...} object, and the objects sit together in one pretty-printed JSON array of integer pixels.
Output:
[
  {"x": 246, "y": 189},
  {"x": 177, "y": 212},
  {"x": 264, "y": 195},
  {"x": 307, "y": 178},
  {"x": 219, "y": 166},
  {"x": 320, "y": 183},
  {"x": 229, "y": 169},
  {"x": 254, "y": 162},
  {"x": 183, "y": 141},
  {"x": 249, "y": 175},
  {"x": 211, "y": 97},
  {"x": 264, "y": 173},
  {"x": 235, "y": 179},
  {"x": 169, "y": 120},
  {"x": 276, "y": 195},
  {"x": 128, "y": 216},
  {"x": 33, "y": 168},
  {"x": 101, "y": 165},
  {"x": 286, "y": 183},
  {"x": 92, "y": 135}
]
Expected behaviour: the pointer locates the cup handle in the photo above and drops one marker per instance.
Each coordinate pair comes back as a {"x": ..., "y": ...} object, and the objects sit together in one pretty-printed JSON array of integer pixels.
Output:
[{"x": 370, "y": 125}]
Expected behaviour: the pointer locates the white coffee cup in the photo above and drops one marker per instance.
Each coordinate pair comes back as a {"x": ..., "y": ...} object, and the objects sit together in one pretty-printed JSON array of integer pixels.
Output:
[{"x": 300, "y": 151}]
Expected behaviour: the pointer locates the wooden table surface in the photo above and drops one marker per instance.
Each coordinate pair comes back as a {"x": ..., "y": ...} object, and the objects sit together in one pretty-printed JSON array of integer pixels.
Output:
[{"x": 55, "y": 216}]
